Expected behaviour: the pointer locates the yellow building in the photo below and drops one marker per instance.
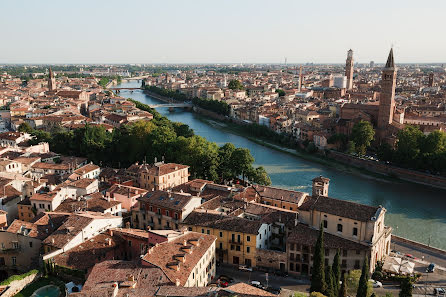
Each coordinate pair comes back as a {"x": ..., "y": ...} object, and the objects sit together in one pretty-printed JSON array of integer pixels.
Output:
[
  {"x": 237, "y": 238},
  {"x": 160, "y": 176}
]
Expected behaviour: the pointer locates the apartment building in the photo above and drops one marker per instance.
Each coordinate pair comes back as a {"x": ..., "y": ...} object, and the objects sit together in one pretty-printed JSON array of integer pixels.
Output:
[
  {"x": 163, "y": 209},
  {"x": 187, "y": 261}
]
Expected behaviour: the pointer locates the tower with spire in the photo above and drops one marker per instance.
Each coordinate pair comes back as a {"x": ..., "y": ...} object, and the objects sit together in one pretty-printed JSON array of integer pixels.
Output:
[
  {"x": 51, "y": 81},
  {"x": 387, "y": 96},
  {"x": 349, "y": 69}
]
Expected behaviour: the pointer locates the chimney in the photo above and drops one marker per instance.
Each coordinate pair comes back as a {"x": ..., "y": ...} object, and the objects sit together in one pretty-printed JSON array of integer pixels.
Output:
[
  {"x": 127, "y": 225},
  {"x": 131, "y": 278},
  {"x": 177, "y": 282},
  {"x": 108, "y": 241},
  {"x": 185, "y": 242},
  {"x": 110, "y": 232},
  {"x": 149, "y": 228}
]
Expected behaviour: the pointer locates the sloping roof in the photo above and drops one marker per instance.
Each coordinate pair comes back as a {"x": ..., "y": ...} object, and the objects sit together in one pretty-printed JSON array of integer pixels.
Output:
[
  {"x": 222, "y": 222},
  {"x": 338, "y": 207},
  {"x": 167, "y": 199},
  {"x": 163, "y": 255}
]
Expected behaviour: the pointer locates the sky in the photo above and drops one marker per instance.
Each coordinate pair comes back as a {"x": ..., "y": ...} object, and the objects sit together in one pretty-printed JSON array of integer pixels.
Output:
[{"x": 225, "y": 31}]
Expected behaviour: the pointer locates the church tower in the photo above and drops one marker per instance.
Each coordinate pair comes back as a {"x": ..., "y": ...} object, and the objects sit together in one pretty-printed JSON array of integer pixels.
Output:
[
  {"x": 349, "y": 69},
  {"x": 51, "y": 81},
  {"x": 387, "y": 97}
]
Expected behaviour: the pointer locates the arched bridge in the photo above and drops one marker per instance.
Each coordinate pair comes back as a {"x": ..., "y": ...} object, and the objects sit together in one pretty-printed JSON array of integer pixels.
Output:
[
  {"x": 172, "y": 105},
  {"x": 118, "y": 89}
]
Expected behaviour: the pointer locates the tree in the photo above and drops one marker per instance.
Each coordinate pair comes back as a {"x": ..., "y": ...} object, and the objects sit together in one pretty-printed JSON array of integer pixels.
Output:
[
  {"x": 406, "y": 287},
  {"x": 225, "y": 170},
  {"x": 385, "y": 152},
  {"x": 362, "y": 135},
  {"x": 329, "y": 280},
  {"x": 337, "y": 271},
  {"x": 351, "y": 147},
  {"x": 408, "y": 145},
  {"x": 343, "y": 289},
  {"x": 364, "y": 280},
  {"x": 316, "y": 294},
  {"x": 377, "y": 274},
  {"x": 318, "y": 283},
  {"x": 25, "y": 127},
  {"x": 280, "y": 92},
  {"x": 235, "y": 85},
  {"x": 260, "y": 176},
  {"x": 241, "y": 162}
]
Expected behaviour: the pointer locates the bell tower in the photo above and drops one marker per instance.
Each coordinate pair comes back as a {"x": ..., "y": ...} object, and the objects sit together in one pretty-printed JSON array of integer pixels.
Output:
[
  {"x": 349, "y": 69},
  {"x": 387, "y": 96},
  {"x": 51, "y": 81}
]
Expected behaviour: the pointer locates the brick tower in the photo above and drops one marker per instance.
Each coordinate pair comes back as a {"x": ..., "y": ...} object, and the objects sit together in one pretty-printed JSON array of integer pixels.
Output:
[
  {"x": 51, "y": 81},
  {"x": 349, "y": 69},
  {"x": 387, "y": 97}
]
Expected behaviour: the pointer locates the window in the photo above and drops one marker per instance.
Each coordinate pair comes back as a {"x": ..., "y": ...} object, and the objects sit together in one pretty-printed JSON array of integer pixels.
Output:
[
  {"x": 248, "y": 238},
  {"x": 325, "y": 223},
  {"x": 291, "y": 266},
  {"x": 208, "y": 232},
  {"x": 355, "y": 231},
  {"x": 233, "y": 237},
  {"x": 221, "y": 245},
  {"x": 14, "y": 260},
  {"x": 176, "y": 216},
  {"x": 357, "y": 264},
  {"x": 248, "y": 249},
  {"x": 232, "y": 247},
  {"x": 238, "y": 238},
  {"x": 167, "y": 213},
  {"x": 130, "y": 243},
  {"x": 202, "y": 231},
  {"x": 15, "y": 245},
  {"x": 159, "y": 211},
  {"x": 221, "y": 234},
  {"x": 237, "y": 248},
  {"x": 339, "y": 227},
  {"x": 151, "y": 208},
  {"x": 291, "y": 256},
  {"x": 344, "y": 253},
  {"x": 189, "y": 228},
  {"x": 30, "y": 244},
  {"x": 358, "y": 252}
]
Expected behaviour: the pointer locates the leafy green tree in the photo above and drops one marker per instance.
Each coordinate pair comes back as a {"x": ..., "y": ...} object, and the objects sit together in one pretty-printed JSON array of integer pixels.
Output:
[
  {"x": 340, "y": 140},
  {"x": 406, "y": 287},
  {"x": 362, "y": 135},
  {"x": 364, "y": 280},
  {"x": 318, "y": 283},
  {"x": 260, "y": 176},
  {"x": 385, "y": 152},
  {"x": 225, "y": 169},
  {"x": 25, "y": 127},
  {"x": 316, "y": 294},
  {"x": 408, "y": 145},
  {"x": 241, "y": 162},
  {"x": 280, "y": 92},
  {"x": 351, "y": 147},
  {"x": 235, "y": 85},
  {"x": 337, "y": 271}
]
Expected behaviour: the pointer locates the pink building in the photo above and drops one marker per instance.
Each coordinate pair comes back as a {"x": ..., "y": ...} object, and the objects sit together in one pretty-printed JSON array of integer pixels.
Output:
[{"x": 127, "y": 195}]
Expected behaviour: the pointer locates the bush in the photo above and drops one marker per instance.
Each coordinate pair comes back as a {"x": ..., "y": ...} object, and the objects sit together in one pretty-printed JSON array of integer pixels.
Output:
[
  {"x": 316, "y": 294},
  {"x": 18, "y": 277}
]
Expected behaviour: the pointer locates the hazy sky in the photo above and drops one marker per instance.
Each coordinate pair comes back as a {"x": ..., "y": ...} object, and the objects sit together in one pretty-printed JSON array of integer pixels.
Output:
[{"x": 226, "y": 31}]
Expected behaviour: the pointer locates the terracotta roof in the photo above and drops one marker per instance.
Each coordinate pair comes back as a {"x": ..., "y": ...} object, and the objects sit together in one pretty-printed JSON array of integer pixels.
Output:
[
  {"x": 96, "y": 204},
  {"x": 69, "y": 230},
  {"x": 166, "y": 255},
  {"x": 176, "y": 201},
  {"x": 86, "y": 168},
  {"x": 82, "y": 183},
  {"x": 104, "y": 274},
  {"x": 90, "y": 252},
  {"x": 342, "y": 208},
  {"x": 222, "y": 222},
  {"x": 245, "y": 290},
  {"x": 280, "y": 194}
]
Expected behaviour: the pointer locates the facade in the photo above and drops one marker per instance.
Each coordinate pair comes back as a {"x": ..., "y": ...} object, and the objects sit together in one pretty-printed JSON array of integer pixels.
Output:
[
  {"x": 163, "y": 209},
  {"x": 160, "y": 176},
  {"x": 237, "y": 238},
  {"x": 51, "y": 81},
  {"x": 127, "y": 195}
]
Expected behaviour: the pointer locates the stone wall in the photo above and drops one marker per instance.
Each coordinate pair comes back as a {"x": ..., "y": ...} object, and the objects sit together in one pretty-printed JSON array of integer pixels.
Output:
[
  {"x": 270, "y": 260},
  {"x": 16, "y": 286},
  {"x": 401, "y": 173}
]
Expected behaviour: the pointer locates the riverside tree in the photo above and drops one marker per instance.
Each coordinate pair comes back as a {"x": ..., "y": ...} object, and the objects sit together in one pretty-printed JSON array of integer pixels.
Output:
[
  {"x": 318, "y": 283},
  {"x": 362, "y": 136}
]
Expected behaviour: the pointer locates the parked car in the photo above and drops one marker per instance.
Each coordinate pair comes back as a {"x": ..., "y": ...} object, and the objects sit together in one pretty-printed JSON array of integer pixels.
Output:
[
  {"x": 244, "y": 268},
  {"x": 225, "y": 278},
  {"x": 439, "y": 291},
  {"x": 430, "y": 268},
  {"x": 410, "y": 256},
  {"x": 376, "y": 284},
  {"x": 257, "y": 284},
  {"x": 281, "y": 273}
]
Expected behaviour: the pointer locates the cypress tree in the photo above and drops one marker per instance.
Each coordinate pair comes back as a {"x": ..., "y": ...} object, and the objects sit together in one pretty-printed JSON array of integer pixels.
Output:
[
  {"x": 337, "y": 270},
  {"x": 343, "y": 289},
  {"x": 363, "y": 281},
  {"x": 406, "y": 288},
  {"x": 329, "y": 280},
  {"x": 318, "y": 273}
]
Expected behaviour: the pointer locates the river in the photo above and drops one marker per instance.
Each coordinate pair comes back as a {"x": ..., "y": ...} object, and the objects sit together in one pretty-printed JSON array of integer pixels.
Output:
[{"x": 414, "y": 211}]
